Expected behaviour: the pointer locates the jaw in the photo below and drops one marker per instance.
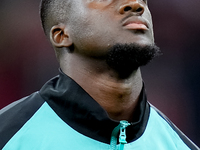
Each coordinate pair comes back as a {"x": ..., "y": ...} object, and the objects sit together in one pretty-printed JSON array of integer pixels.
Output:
[{"x": 124, "y": 59}]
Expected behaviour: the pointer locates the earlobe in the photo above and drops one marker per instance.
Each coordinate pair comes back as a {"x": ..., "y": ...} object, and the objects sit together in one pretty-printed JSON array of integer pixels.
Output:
[{"x": 59, "y": 36}]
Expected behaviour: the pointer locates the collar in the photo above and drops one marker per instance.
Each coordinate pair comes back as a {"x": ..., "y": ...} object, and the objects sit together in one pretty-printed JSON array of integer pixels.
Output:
[{"x": 80, "y": 111}]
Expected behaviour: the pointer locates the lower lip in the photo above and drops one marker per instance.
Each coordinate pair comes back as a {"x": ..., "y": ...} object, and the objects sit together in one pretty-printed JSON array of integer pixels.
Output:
[{"x": 136, "y": 26}]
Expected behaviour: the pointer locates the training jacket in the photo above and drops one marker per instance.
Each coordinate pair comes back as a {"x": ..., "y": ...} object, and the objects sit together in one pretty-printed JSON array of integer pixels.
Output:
[{"x": 62, "y": 116}]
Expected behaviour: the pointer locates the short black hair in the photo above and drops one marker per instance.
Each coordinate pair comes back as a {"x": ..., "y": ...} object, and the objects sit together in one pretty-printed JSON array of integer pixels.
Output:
[
  {"x": 44, "y": 10},
  {"x": 53, "y": 12}
]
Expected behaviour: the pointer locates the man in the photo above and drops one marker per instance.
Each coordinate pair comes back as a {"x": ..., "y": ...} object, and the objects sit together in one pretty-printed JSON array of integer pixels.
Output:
[{"x": 98, "y": 100}]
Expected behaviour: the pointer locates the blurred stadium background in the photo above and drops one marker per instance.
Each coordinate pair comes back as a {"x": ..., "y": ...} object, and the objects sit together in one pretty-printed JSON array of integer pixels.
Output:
[{"x": 172, "y": 80}]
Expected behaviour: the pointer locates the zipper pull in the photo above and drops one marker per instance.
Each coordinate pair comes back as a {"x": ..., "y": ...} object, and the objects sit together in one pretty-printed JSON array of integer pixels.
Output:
[{"x": 122, "y": 136}]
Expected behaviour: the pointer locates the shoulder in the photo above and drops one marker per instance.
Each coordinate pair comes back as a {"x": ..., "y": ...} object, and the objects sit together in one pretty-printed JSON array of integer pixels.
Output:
[
  {"x": 15, "y": 115},
  {"x": 163, "y": 121}
]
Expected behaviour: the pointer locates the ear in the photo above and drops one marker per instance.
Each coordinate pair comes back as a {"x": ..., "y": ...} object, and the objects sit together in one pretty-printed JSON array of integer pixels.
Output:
[{"x": 59, "y": 36}]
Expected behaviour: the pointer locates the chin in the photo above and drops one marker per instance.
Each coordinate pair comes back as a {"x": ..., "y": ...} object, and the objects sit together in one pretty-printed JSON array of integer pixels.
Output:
[
  {"x": 139, "y": 39},
  {"x": 126, "y": 58}
]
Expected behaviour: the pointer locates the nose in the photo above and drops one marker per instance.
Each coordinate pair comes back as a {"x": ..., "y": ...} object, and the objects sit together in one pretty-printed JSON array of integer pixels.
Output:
[{"x": 132, "y": 6}]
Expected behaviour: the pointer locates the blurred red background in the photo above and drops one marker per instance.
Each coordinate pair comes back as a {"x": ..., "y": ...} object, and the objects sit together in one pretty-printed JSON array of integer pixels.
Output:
[{"x": 172, "y": 80}]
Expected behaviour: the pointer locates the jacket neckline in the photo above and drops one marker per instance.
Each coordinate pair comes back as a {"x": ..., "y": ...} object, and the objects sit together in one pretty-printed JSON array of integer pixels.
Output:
[{"x": 81, "y": 112}]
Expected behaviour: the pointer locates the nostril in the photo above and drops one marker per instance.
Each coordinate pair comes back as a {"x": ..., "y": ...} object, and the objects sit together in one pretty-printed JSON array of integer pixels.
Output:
[
  {"x": 127, "y": 8},
  {"x": 139, "y": 9},
  {"x": 134, "y": 7}
]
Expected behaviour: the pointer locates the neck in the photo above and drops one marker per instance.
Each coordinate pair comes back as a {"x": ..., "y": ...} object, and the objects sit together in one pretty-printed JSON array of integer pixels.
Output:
[{"x": 118, "y": 97}]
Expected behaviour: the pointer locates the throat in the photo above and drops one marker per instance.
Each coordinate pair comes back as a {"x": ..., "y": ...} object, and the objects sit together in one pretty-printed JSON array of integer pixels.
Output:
[
  {"x": 122, "y": 108},
  {"x": 119, "y": 98}
]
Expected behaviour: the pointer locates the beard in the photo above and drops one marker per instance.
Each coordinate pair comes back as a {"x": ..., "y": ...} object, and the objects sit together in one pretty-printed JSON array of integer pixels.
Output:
[{"x": 126, "y": 58}]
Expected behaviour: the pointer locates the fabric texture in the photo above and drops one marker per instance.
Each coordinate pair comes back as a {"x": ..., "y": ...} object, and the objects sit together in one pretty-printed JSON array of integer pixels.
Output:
[{"x": 63, "y": 116}]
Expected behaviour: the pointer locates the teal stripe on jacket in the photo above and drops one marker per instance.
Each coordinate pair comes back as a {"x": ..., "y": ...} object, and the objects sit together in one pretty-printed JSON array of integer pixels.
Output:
[{"x": 46, "y": 131}]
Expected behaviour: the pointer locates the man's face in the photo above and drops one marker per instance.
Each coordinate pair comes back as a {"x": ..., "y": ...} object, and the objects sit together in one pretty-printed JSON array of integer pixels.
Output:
[{"x": 97, "y": 25}]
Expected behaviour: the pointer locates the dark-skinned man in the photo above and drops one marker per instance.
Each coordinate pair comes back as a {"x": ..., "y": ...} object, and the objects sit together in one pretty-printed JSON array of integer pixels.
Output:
[{"x": 98, "y": 99}]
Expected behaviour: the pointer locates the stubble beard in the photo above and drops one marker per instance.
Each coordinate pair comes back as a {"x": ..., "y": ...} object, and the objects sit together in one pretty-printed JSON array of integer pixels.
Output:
[{"x": 126, "y": 58}]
